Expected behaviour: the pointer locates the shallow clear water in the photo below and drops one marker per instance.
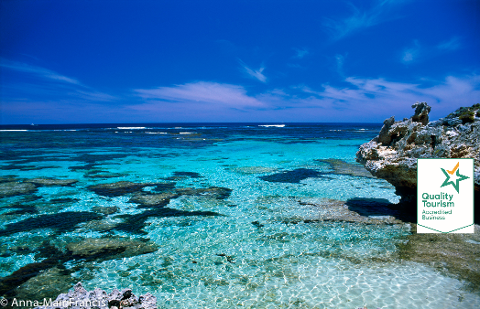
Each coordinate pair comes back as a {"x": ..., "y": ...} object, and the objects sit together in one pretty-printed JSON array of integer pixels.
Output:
[{"x": 261, "y": 246}]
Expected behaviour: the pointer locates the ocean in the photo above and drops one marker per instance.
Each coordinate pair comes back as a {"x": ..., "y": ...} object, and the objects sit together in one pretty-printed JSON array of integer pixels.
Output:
[{"x": 209, "y": 215}]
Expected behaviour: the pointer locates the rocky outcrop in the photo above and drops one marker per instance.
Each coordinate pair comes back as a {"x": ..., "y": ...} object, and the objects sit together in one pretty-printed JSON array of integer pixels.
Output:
[
  {"x": 81, "y": 298},
  {"x": 393, "y": 154}
]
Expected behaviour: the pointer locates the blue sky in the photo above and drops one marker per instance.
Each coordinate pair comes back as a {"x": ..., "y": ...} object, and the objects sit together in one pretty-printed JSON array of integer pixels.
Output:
[{"x": 235, "y": 61}]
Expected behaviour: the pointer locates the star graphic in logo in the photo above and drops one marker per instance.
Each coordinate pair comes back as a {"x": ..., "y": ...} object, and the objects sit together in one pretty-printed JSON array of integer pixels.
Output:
[{"x": 452, "y": 178}]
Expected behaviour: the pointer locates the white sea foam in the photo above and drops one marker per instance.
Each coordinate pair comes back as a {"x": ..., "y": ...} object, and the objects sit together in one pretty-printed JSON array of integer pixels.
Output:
[
  {"x": 272, "y": 125},
  {"x": 131, "y": 128},
  {"x": 13, "y": 130}
]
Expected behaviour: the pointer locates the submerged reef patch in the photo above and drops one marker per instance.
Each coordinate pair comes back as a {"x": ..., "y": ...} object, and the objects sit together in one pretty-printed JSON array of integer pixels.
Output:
[
  {"x": 457, "y": 254},
  {"x": 64, "y": 221},
  {"x": 136, "y": 223},
  {"x": 117, "y": 188},
  {"x": 16, "y": 188},
  {"x": 341, "y": 167},
  {"x": 294, "y": 176},
  {"x": 47, "y": 182},
  {"x": 110, "y": 248}
]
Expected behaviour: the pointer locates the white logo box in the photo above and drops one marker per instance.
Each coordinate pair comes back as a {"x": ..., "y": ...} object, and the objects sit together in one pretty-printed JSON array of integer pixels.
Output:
[{"x": 445, "y": 195}]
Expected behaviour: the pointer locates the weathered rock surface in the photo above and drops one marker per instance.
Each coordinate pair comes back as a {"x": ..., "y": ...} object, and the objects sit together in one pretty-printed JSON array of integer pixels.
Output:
[
  {"x": 363, "y": 211},
  {"x": 81, "y": 298},
  {"x": 117, "y": 188},
  {"x": 108, "y": 247},
  {"x": 455, "y": 253},
  {"x": 341, "y": 167},
  {"x": 105, "y": 210},
  {"x": 215, "y": 192},
  {"x": 48, "y": 182},
  {"x": 150, "y": 200},
  {"x": 393, "y": 154},
  {"x": 16, "y": 188}
]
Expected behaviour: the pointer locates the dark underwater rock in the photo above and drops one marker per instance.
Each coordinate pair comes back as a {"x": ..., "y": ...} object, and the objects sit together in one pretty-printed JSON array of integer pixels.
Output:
[
  {"x": 16, "y": 188},
  {"x": 364, "y": 211},
  {"x": 105, "y": 210},
  {"x": 81, "y": 298},
  {"x": 98, "y": 225},
  {"x": 117, "y": 188},
  {"x": 48, "y": 182},
  {"x": 47, "y": 284},
  {"x": 151, "y": 200},
  {"x": 215, "y": 192},
  {"x": 9, "y": 284},
  {"x": 293, "y": 176},
  {"x": 116, "y": 247},
  {"x": 341, "y": 167},
  {"x": 179, "y": 175},
  {"x": 135, "y": 223},
  {"x": 64, "y": 221}
]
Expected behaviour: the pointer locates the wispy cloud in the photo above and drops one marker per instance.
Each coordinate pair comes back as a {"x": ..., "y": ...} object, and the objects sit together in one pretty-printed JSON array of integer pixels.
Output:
[
  {"x": 358, "y": 20},
  {"x": 452, "y": 44},
  {"x": 417, "y": 52},
  {"x": 300, "y": 53},
  {"x": 38, "y": 71},
  {"x": 340, "y": 60},
  {"x": 38, "y": 81},
  {"x": 256, "y": 74},
  {"x": 384, "y": 98},
  {"x": 412, "y": 53},
  {"x": 203, "y": 94},
  {"x": 363, "y": 99}
]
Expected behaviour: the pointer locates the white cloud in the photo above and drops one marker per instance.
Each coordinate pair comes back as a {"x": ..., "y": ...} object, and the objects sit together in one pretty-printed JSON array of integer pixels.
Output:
[
  {"x": 256, "y": 74},
  {"x": 203, "y": 94},
  {"x": 361, "y": 100}
]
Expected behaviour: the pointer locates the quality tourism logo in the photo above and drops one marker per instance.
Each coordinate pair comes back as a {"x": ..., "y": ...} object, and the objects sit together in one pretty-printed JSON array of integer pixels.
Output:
[
  {"x": 459, "y": 177},
  {"x": 445, "y": 196}
]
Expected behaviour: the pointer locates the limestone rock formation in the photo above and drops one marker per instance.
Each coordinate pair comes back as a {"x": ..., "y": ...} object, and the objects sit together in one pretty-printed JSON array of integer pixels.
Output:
[
  {"x": 81, "y": 298},
  {"x": 393, "y": 154}
]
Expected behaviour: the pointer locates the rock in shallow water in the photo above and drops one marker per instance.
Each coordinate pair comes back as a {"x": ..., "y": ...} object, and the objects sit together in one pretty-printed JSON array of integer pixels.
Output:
[
  {"x": 117, "y": 188},
  {"x": 108, "y": 247},
  {"x": 16, "y": 188},
  {"x": 49, "y": 182},
  {"x": 81, "y": 298}
]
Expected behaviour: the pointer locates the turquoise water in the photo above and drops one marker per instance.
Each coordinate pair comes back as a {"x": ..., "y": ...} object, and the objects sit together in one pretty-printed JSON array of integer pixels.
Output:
[{"x": 261, "y": 245}]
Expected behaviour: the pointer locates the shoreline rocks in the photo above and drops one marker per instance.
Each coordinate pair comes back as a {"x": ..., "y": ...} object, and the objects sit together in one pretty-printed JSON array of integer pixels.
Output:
[
  {"x": 393, "y": 154},
  {"x": 79, "y": 297}
]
